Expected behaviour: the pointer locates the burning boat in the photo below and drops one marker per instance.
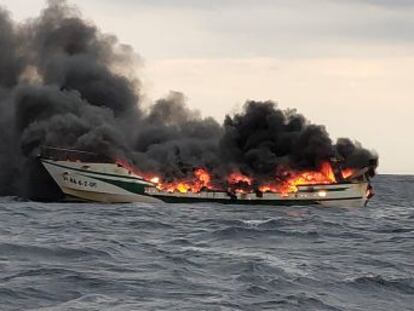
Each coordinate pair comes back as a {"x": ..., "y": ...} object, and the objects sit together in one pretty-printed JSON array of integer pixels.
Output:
[{"x": 93, "y": 177}]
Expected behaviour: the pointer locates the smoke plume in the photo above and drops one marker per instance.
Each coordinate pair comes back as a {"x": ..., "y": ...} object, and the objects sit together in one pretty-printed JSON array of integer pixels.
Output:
[{"x": 65, "y": 83}]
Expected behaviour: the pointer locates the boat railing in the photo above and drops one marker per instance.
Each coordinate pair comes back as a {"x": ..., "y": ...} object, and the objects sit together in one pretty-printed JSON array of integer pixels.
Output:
[{"x": 64, "y": 154}]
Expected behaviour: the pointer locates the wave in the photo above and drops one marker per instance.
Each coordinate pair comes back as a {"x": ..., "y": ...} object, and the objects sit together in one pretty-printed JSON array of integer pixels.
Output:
[
  {"x": 403, "y": 285},
  {"x": 61, "y": 253},
  {"x": 84, "y": 302},
  {"x": 258, "y": 232}
]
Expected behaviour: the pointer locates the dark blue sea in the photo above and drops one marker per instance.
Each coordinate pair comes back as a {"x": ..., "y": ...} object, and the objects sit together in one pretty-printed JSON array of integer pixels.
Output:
[{"x": 70, "y": 256}]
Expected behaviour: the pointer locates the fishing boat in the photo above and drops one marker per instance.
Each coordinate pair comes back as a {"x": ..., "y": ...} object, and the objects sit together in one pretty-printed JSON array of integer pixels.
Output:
[{"x": 92, "y": 177}]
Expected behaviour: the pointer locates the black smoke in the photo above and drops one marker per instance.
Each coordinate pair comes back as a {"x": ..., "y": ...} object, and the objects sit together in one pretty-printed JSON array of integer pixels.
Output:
[{"x": 65, "y": 83}]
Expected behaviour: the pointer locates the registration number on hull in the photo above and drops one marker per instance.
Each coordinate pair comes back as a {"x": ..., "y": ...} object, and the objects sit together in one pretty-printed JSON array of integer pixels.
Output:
[{"x": 79, "y": 182}]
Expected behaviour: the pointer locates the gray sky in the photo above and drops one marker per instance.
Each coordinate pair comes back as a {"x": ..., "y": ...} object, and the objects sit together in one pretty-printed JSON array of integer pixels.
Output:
[{"x": 347, "y": 64}]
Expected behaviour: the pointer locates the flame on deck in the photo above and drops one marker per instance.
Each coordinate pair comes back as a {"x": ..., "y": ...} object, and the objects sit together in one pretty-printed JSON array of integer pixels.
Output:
[
  {"x": 237, "y": 182},
  {"x": 324, "y": 176},
  {"x": 201, "y": 180}
]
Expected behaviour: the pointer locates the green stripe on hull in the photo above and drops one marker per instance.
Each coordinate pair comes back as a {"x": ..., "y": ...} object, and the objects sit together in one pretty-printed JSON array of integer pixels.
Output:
[{"x": 132, "y": 187}]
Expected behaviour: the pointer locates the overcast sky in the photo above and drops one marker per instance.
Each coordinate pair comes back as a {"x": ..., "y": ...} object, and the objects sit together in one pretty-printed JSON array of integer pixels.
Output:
[{"x": 347, "y": 64}]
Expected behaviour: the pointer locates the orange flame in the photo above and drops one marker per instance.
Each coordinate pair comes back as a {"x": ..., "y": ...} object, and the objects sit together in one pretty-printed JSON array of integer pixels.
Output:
[
  {"x": 237, "y": 177},
  {"x": 134, "y": 170},
  {"x": 324, "y": 176},
  {"x": 202, "y": 179},
  {"x": 348, "y": 172},
  {"x": 241, "y": 183}
]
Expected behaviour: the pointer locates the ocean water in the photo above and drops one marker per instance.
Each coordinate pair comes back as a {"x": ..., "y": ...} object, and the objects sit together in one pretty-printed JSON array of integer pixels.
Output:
[{"x": 70, "y": 256}]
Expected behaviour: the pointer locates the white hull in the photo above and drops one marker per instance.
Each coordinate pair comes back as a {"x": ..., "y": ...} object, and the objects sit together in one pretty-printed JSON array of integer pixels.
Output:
[
  {"x": 112, "y": 183},
  {"x": 106, "y": 182}
]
